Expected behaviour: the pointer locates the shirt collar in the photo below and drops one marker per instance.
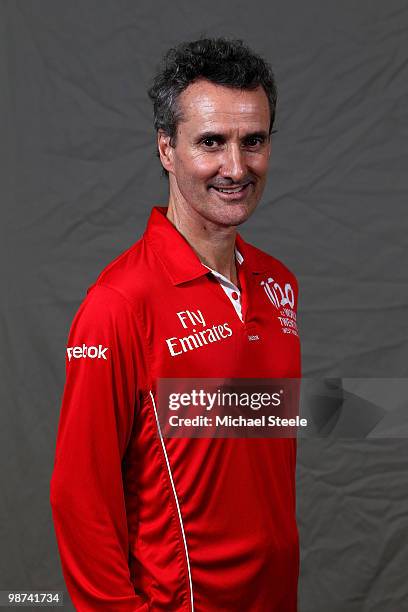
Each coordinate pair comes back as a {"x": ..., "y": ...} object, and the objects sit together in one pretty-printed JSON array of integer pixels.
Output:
[
  {"x": 178, "y": 257},
  {"x": 223, "y": 279}
]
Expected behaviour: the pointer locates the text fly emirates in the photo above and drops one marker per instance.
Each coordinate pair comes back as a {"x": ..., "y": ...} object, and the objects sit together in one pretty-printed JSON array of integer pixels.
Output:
[{"x": 188, "y": 318}]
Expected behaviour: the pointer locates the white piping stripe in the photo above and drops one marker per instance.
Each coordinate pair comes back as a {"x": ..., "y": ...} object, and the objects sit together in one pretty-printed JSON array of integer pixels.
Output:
[{"x": 177, "y": 503}]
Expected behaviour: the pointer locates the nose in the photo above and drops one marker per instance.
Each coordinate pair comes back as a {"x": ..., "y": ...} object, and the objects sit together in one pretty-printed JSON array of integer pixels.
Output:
[{"x": 233, "y": 163}]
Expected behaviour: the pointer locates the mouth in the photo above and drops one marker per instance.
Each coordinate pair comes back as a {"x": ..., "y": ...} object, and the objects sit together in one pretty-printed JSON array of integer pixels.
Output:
[{"x": 239, "y": 192}]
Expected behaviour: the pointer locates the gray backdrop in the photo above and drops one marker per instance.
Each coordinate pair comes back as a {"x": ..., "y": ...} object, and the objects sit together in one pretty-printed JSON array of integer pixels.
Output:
[{"x": 79, "y": 176}]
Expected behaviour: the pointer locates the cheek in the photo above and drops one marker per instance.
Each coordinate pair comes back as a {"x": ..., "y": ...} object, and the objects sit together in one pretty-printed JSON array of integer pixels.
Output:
[
  {"x": 259, "y": 164},
  {"x": 199, "y": 168}
]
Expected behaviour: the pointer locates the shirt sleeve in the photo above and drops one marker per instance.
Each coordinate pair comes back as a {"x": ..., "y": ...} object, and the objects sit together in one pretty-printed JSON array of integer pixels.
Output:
[{"x": 86, "y": 490}]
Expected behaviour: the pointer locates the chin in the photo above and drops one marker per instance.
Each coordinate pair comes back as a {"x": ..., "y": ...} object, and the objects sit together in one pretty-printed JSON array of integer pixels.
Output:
[{"x": 233, "y": 214}]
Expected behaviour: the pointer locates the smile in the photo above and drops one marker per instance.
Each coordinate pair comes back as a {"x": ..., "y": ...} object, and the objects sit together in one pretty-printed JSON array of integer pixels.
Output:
[
  {"x": 230, "y": 189},
  {"x": 232, "y": 193}
]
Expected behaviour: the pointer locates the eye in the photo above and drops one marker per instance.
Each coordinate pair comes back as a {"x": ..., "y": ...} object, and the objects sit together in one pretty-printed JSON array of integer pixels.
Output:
[
  {"x": 254, "y": 141},
  {"x": 209, "y": 142}
]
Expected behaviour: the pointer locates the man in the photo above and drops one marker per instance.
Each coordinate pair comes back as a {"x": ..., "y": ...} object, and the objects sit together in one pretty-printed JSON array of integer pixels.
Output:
[{"x": 145, "y": 522}]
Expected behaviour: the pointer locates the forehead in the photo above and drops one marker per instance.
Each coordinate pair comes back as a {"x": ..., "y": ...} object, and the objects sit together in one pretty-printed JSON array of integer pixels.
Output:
[{"x": 205, "y": 104}]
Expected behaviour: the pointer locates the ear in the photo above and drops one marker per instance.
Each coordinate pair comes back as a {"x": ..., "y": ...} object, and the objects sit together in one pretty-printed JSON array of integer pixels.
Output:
[{"x": 166, "y": 151}]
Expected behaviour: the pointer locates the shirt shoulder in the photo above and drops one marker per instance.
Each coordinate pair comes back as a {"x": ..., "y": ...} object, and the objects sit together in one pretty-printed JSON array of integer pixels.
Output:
[
  {"x": 129, "y": 273},
  {"x": 103, "y": 314}
]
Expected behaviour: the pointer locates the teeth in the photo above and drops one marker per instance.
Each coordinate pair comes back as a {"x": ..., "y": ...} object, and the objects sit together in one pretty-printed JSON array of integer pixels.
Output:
[{"x": 231, "y": 190}]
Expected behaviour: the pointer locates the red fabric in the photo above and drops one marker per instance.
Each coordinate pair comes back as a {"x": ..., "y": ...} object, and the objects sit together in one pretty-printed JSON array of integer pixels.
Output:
[{"x": 115, "y": 513}]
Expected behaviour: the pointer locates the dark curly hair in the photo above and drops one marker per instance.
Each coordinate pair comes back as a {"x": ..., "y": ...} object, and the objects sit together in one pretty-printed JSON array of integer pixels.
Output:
[{"x": 221, "y": 61}]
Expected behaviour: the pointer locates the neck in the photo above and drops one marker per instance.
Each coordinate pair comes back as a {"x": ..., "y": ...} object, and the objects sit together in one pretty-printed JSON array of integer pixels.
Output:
[{"x": 213, "y": 244}]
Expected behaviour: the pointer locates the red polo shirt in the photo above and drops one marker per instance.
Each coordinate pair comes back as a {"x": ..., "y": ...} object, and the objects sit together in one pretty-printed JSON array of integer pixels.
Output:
[{"x": 174, "y": 524}]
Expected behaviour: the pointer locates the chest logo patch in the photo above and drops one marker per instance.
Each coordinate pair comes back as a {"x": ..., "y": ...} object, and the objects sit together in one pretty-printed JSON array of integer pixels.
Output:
[{"x": 283, "y": 300}]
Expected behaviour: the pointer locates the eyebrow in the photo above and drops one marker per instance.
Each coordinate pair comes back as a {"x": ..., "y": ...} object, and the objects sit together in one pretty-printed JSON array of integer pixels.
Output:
[{"x": 220, "y": 136}]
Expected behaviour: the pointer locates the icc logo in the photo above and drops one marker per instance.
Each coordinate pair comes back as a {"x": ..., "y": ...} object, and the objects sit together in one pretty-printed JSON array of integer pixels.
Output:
[{"x": 275, "y": 294}]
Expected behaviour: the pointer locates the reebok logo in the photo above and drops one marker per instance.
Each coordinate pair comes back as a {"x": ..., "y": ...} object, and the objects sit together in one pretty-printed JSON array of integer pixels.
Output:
[{"x": 93, "y": 352}]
